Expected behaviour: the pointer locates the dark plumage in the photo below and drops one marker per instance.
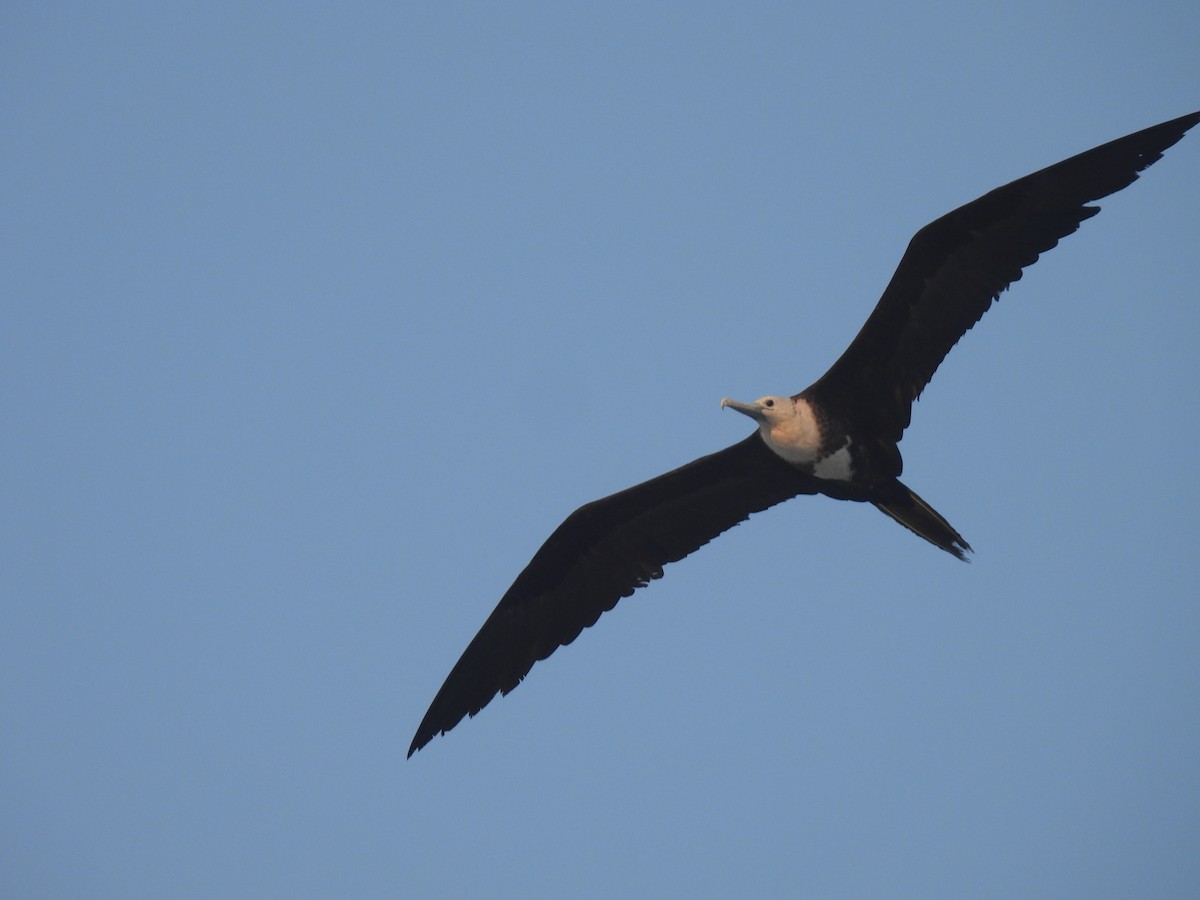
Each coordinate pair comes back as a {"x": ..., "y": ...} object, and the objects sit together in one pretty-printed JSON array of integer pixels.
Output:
[{"x": 838, "y": 437}]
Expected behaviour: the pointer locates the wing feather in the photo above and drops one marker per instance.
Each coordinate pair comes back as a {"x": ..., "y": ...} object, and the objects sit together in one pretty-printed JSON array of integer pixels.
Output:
[
  {"x": 602, "y": 552},
  {"x": 957, "y": 266}
]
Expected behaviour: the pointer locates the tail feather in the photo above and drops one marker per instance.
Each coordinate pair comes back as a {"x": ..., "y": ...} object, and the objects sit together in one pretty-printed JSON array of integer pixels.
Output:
[{"x": 920, "y": 518}]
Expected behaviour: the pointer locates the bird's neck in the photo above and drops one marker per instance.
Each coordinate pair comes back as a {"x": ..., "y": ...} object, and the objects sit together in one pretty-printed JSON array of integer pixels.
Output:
[{"x": 797, "y": 438}]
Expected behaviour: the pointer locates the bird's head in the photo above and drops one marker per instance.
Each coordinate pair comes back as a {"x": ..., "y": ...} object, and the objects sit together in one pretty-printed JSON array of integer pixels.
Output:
[{"x": 766, "y": 411}]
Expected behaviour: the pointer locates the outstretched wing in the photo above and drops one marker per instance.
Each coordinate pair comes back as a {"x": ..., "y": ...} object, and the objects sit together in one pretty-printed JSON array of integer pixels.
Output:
[
  {"x": 604, "y": 551},
  {"x": 955, "y": 267}
]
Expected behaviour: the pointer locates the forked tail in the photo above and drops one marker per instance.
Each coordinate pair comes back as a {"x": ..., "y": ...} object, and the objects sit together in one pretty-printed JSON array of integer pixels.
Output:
[{"x": 920, "y": 518}]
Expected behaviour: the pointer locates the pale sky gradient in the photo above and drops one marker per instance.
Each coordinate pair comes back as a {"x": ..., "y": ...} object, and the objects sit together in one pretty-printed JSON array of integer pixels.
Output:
[{"x": 317, "y": 318}]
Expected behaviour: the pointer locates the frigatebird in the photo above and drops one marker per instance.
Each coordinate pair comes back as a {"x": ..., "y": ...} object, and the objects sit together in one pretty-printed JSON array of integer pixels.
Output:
[{"x": 838, "y": 437}]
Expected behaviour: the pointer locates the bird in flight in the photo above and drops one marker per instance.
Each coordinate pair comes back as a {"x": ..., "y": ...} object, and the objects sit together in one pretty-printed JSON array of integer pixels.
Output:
[{"x": 838, "y": 437}]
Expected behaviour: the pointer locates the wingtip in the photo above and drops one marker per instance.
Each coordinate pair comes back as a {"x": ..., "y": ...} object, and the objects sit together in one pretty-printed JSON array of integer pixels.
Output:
[
  {"x": 1191, "y": 118},
  {"x": 420, "y": 739}
]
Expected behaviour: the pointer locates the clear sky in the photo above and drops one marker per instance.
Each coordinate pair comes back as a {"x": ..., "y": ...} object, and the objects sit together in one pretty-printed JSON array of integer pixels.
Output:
[{"x": 315, "y": 320}]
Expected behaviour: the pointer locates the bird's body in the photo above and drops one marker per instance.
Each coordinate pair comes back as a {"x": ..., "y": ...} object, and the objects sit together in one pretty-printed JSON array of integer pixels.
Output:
[
  {"x": 839, "y": 437},
  {"x": 844, "y": 465}
]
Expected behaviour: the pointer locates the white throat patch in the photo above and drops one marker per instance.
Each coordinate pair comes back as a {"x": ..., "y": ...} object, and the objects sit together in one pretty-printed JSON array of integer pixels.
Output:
[{"x": 793, "y": 433}]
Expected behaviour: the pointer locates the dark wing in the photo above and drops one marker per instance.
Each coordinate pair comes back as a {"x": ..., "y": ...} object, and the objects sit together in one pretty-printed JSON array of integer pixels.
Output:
[
  {"x": 955, "y": 267},
  {"x": 602, "y": 552}
]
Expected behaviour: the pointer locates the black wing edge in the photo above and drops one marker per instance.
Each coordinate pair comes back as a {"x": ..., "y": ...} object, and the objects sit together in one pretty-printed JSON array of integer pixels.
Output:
[{"x": 604, "y": 551}]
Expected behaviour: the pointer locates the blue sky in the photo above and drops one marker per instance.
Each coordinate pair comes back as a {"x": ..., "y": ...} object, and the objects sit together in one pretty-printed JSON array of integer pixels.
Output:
[{"x": 317, "y": 319}]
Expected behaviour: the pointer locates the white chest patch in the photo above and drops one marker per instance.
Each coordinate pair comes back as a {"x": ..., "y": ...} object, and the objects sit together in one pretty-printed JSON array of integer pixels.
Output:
[{"x": 836, "y": 466}]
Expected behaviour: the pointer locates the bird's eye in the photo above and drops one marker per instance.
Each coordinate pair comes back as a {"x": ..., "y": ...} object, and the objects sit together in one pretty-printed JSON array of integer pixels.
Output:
[{"x": 768, "y": 403}]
